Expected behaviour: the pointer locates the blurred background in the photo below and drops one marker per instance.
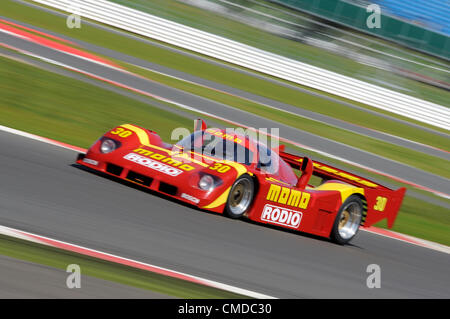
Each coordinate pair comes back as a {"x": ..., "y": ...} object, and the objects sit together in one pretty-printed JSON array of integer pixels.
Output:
[
  {"x": 412, "y": 43},
  {"x": 69, "y": 85}
]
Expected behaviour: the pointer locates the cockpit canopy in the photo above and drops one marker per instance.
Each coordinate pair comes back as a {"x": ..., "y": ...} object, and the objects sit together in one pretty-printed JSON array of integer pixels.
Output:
[{"x": 241, "y": 149}]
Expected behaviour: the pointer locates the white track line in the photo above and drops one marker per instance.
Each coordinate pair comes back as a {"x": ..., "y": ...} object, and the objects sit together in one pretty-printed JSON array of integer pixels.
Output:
[{"x": 12, "y": 232}]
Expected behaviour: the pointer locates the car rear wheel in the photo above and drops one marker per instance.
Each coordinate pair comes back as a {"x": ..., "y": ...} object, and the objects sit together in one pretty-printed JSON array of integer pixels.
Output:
[
  {"x": 240, "y": 197},
  {"x": 347, "y": 220}
]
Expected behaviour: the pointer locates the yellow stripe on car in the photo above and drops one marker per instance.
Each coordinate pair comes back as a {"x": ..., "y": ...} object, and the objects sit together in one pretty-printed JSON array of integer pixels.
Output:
[
  {"x": 222, "y": 199},
  {"x": 141, "y": 134},
  {"x": 143, "y": 139},
  {"x": 345, "y": 189},
  {"x": 240, "y": 169},
  {"x": 271, "y": 179}
]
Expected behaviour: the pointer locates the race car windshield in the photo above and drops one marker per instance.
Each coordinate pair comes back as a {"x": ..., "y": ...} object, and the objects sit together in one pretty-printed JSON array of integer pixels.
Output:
[
  {"x": 270, "y": 163},
  {"x": 216, "y": 146}
]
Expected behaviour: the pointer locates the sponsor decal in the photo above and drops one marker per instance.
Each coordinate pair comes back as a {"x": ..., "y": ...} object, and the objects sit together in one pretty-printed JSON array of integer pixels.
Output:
[
  {"x": 157, "y": 166},
  {"x": 190, "y": 198},
  {"x": 271, "y": 179},
  {"x": 381, "y": 203},
  {"x": 281, "y": 216},
  {"x": 220, "y": 168},
  {"x": 121, "y": 132},
  {"x": 164, "y": 159},
  {"x": 229, "y": 137},
  {"x": 90, "y": 161},
  {"x": 288, "y": 196}
]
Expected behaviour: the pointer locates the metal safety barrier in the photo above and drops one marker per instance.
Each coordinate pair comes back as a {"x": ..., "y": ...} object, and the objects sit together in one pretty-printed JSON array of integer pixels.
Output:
[{"x": 246, "y": 56}]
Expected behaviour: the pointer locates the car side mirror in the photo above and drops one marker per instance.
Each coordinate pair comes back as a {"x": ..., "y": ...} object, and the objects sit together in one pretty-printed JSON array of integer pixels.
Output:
[
  {"x": 199, "y": 125},
  {"x": 307, "y": 170}
]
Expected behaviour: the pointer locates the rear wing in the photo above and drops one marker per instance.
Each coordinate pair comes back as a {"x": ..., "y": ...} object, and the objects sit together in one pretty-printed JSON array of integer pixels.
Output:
[
  {"x": 328, "y": 172},
  {"x": 382, "y": 202}
]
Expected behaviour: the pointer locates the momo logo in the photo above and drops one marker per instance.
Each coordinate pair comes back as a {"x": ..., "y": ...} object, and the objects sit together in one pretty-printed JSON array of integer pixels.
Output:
[
  {"x": 157, "y": 166},
  {"x": 164, "y": 159},
  {"x": 288, "y": 196},
  {"x": 229, "y": 137},
  {"x": 281, "y": 216}
]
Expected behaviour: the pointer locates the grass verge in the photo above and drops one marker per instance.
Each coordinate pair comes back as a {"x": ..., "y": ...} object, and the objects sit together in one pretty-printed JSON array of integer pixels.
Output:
[
  {"x": 72, "y": 111},
  {"x": 58, "y": 258}
]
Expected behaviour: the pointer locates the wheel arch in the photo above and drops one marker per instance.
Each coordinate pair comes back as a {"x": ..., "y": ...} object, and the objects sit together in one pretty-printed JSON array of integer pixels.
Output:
[{"x": 364, "y": 202}]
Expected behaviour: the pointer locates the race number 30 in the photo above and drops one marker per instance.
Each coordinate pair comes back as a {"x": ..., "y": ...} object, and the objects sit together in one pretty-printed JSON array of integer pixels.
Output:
[
  {"x": 381, "y": 203},
  {"x": 121, "y": 132}
]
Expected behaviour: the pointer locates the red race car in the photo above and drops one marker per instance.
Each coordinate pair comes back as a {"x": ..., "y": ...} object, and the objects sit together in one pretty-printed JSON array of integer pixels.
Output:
[{"x": 240, "y": 176}]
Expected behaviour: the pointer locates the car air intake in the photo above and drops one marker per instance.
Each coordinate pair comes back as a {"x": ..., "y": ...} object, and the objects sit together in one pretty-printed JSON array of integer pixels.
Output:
[
  {"x": 167, "y": 188},
  {"x": 114, "y": 169},
  {"x": 139, "y": 178}
]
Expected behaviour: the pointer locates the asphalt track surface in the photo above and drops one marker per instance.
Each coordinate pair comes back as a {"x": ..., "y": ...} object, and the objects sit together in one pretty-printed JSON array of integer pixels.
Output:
[
  {"x": 42, "y": 192},
  {"x": 25, "y": 280},
  {"x": 390, "y": 167}
]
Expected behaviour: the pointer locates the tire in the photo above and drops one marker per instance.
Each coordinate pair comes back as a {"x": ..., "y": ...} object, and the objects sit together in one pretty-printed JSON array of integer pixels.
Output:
[
  {"x": 240, "y": 197},
  {"x": 348, "y": 220}
]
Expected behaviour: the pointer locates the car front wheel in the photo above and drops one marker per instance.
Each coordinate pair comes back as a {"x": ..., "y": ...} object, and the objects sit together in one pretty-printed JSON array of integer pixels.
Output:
[{"x": 240, "y": 197}]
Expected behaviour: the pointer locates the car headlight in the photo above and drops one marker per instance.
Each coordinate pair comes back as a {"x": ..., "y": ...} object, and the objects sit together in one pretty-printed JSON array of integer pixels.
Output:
[
  {"x": 206, "y": 182},
  {"x": 107, "y": 146}
]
